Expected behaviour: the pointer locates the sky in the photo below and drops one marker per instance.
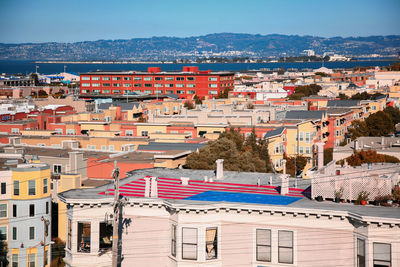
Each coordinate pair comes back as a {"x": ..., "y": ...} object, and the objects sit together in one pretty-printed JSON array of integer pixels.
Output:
[{"x": 25, "y": 21}]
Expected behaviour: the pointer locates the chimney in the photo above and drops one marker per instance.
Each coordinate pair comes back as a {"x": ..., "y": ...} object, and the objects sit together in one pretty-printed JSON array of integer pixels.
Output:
[
  {"x": 356, "y": 144},
  {"x": 220, "y": 169},
  {"x": 320, "y": 156},
  {"x": 75, "y": 161},
  {"x": 147, "y": 187},
  {"x": 185, "y": 180},
  {"x": 206, "y": 178},
  {"x": 284, "y": 184},
  {"x": 154, "y": 187},
  {"x": 284, "y": 166}
]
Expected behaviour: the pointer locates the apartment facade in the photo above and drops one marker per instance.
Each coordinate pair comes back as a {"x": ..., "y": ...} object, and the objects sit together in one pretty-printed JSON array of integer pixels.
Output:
[
  {"x": 26, "y": 197},
  {"x": 185, "y": 84}
]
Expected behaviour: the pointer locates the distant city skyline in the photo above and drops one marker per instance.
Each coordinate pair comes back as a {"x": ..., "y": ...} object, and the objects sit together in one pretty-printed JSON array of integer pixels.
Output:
[{"x": 73, "y": 21}]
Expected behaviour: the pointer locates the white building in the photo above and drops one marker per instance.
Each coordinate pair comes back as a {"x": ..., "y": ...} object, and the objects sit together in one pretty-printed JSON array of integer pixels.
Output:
[{"x": 187, "y": 218}]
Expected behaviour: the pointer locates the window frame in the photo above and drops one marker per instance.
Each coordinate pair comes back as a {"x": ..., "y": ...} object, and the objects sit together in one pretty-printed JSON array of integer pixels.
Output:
[
  {"x": 190, "y": 244},
  {"x": 31, "y": 233},
  {"x": 174, "y": 229},
  {"x": 279, "y": 246},
  {"x": 373, "y": 252},
  {"x": 31, "y": 193},
  {"x": 4, "y": 210},
  {"x": 263, "y": 245},
  {"x": 15, "y": 188},
  {"x": 359, "y": 256},
  {"x": 214, "y": 242}
]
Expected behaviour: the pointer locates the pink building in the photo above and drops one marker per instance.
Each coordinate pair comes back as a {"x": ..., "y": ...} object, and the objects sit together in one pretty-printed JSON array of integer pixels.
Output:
[{"x": 196, "y": 218}]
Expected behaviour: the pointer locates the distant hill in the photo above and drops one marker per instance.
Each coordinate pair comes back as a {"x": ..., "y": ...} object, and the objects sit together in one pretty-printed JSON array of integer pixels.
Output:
[{"x": 216, "y": 45}]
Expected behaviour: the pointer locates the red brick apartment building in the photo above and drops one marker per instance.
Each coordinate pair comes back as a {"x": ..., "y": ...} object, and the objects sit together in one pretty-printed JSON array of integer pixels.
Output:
[{"x": 185, "y": 84}]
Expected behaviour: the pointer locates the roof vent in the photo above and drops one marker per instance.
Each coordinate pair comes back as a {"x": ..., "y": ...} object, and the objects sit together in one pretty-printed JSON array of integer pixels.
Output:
[{"x": 185, "y": 180}]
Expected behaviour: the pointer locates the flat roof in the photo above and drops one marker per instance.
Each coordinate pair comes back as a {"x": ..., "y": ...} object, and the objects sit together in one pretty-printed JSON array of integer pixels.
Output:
[{"x": 157, "y": 73}]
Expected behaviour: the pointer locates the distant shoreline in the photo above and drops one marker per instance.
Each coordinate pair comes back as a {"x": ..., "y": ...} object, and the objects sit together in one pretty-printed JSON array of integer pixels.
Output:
[{"x": 194, "y": 62}]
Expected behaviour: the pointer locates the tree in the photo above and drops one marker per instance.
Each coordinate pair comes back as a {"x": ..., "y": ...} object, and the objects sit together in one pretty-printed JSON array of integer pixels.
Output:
[
  {"x": 42, "y": 94},
  {"x": 379, "y": 123},
  {"x": 343, "y": 96},
  {"x": 394, "y": 114},
  {"x": 197, "y": 100},
  {"x": 249, "y": 105},
  {"x": 365, "y": 96},
  {"x": 3, "y": 253},
  {"x": 301, "y": 162},
  {"x": 188, "y": 104},
  {"x": 358, "y": 128},
  {"x": 304, "y": 91},
  {"x": 239, "y": 154},
  {"x": 224, "y": 93},
  {"x": 369, "y": 156}
]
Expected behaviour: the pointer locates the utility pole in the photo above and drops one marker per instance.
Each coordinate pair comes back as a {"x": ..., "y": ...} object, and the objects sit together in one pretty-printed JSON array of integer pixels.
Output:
[
  {"x": 115, "y": 239},
  {"x": 45, "y": 233}
]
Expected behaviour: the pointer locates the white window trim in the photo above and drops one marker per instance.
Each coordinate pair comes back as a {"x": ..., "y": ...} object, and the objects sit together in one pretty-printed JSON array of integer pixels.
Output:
[
  {"x": 7, "y": 233},
  {"x": 274, "y": 247},
  {"x": 201, "y": 242}
]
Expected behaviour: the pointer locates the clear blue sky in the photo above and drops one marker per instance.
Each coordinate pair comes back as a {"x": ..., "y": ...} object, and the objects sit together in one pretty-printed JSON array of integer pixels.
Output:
[{"x": 80, "y": 20}]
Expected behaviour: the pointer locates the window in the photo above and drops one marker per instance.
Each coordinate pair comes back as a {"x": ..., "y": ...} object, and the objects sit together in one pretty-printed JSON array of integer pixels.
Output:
[
  {"x": 158, "y": 85},
  {"x": 173, "y": 240},
  {"x": 3, "y": 233},
  {"x": 169, "y": 78},
  {"x": 3, "y": 188},
  {"x": 145, "y": 133},
  {"x": 31, "y": 233},
  {"x": 263, "y": 245},
  {"x": 285, "y": 247},
  {"x": 116, "y": 78},
  {"x": 127, "y": 78},
  {"x": 147, "y": 79},
  {"x": 111, "y": 147},
  {"x": 191, "y": 92},
  {"x": 14, "y": 210},
  {"x": 16, "y": 188},
  {"x": 189, "y": 243},
  {"x": 83, "y": 237},
  {"x": 301, "y": 150},
  {"x": 31, "y": 210},
  {"x": 14, "y": 260},
  {"x": 382, "y": 255},
  {"x": 307, "y": 138},
  {"x": 213, "y": 85},
  {"x": 180, "y": 78},
  {"x": 213, "y": 92},
  {"x": 71, "y": 131},
  {"x": 69, "y": 233},
  {"x": 95, "y": 84},
  {"x": 211, "y": 243},
  {"x": 95, "y": 78},
  {"x": 301, "y": 136},
  {"x": 180, "y": 92},
  {"x": 32, "y": 260},
  {"x": 360, "y": 253},
  {"x": 116, "y": 91},
  {"x": 106, "y": 78},
  {"x": 85, "y": 85},
  {"x": 56, "y": 168},
  {"x": 147, "y": 85},
  {"x": 85, "y": 78},
  {"x": 307, "y": 150},
  {"x": 129, "y": 132},
  {"x": 127, "y": 85},
  {"x": 158, "y": 78},
  {"x": 169, "y": 85},
  {"x": 15, "y": 130},
  {"x": 137, "y": 78},
  {"x": 213, "y": 79},
  {"x": 47, "y": 207},
  {"x": 137, "y": 85},
  {"x": 105, "y": 236},
  {"x": 31, "y": 187},
  {"x": 191, "y": 85},
  {"x": 14, "y": 233},
  {"x": 180, "y": 85},
  {"x": 190, "y": 78},
  {"x": 3, "y": 210},
  {"x": 45, "y": 185}
]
